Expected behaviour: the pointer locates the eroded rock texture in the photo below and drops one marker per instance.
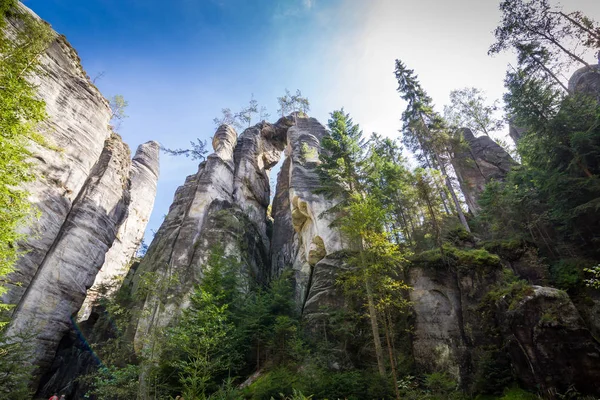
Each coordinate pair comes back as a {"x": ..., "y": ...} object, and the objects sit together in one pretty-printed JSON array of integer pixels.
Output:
[
  {"x": 87, "y": 188},
  {"x": 532, "y": 333},
  {"x": 143, "y": 177},
  {"x": 481, "y": 161},
  {"x": 69, "y": 267},
  {"x": 586, "y": 80},
  {"x": 302, "y": 232},
  {"x": 550, "y": 346},
  {"x": 78, "y": 126},
  {"x": 223, "y": 206}
]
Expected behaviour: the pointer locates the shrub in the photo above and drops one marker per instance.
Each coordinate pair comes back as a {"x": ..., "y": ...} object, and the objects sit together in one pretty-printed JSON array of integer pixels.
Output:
[{"x": 566, "y": 273}]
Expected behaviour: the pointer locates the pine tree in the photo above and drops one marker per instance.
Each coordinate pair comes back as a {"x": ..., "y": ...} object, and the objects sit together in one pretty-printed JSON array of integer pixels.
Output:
[
  {"x": 362, "y": 213},
  {"x": 424, "y": 131},
  {"x": 342, "y": 154}
]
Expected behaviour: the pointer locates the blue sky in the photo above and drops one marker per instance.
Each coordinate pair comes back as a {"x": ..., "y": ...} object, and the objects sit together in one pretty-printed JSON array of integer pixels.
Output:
[{"x": 178, "y": 62}]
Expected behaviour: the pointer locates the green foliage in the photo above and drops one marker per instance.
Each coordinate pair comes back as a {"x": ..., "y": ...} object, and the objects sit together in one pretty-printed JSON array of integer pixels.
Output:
[
  {"x": 21, "y": 111},
  {"x": 567, "y": 273},
  {"x": 114, "y": 383},
  {"x": 435, "y": 386},
  {"x": 321, "y": 383},
  {"x": 547, "y": 39},
  {"x": 510, "y": 290},
  {"x": 118, "y": 104},
  {"x": 341, "y": 157},
  {"x": 453, "y": 257},
  {"x": 290, "y": 103},
  {"x": 15, "y": 369},
  {"x": 553, "y": 198},
  {"x": 277, "y": 382},
  {"x": 493, "y": 371},
  {"x": 197, "y": 150},
  {"x": 469, "y": 108},
  {"x": 510, "y": 250},
  {"x": 594, "y": 281},
  {"x": 517, "y": 394}
]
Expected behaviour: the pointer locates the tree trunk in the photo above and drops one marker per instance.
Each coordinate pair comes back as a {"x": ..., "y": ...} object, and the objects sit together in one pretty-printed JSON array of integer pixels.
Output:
[
  {"x": 459, "y": 211},
  {"x": 549, "y": 72},
  {"x": 375, "y": 328},
  {"x": 391, "y": 355},
  {"x": 442, "y": 194}
]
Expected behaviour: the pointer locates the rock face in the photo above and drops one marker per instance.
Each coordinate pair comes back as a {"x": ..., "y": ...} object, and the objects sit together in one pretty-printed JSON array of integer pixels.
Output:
[
  {"x": 87, "y": 189},
  {"x": 534, "y": 331},
  {"x": 586, "y": 80},
  {"x": 448, "y": 328},
  {"x": 59, "y": 287},
  {"x": 549, "y": 344},
  {"x": 224, "y": 205},
  {"x": 143, "y": 177},
  {"x": 481, "y": 161},
  {"x": 302, "y": 231}
]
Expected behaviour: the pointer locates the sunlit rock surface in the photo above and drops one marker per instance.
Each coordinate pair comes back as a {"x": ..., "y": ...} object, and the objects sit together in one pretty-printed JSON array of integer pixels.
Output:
[
  {"x": 481, "y": 161},
  {"x": 86, "y": 181},
  {"x": 143, "y": 178}
]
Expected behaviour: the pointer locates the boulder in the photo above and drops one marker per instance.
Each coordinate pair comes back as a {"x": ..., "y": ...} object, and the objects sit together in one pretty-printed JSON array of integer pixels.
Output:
[{"x": 549, "y": 344}]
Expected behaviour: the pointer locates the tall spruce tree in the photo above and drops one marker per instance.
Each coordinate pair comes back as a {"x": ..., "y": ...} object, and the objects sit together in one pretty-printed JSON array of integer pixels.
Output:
[
  {"x": 342, "y": 157},
  {"x": 362, "y": 216},
  {"x": 424, "y": 130}
]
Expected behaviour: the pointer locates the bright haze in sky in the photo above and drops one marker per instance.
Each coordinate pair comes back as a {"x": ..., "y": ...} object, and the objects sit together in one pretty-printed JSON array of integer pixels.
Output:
[{"x": 178, "y": 62}]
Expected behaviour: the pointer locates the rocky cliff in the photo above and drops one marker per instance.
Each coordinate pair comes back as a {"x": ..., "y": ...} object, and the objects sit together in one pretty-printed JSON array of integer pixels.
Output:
[
  {"x": 93, "y": 203},
  {"x": 225, "y": 206},
  {"x": 478, "y": 161}
]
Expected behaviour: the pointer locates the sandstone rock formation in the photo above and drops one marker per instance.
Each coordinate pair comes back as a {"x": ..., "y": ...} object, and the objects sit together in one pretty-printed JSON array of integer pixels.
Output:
[
  {"x": 85, "y": 192},
  {"x": 225, "y": 205},
  {"x": 586, "y": 80},
  {"x": 550, "y": 346},
  {"x": 69, "y": 267},
  {"x": 534, "y": 330},
  {"x": 143, "y": 177},
  {"x": 479, "y": 162},
  {"x": 302, "y": 232}
]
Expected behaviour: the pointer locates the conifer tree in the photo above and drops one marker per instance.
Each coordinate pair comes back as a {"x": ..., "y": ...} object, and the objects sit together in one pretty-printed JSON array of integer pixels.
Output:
[
  {"x": 362, "y": 216},
  {"x": 424, "y": 130},
  {"x": 342, "y": 155}
]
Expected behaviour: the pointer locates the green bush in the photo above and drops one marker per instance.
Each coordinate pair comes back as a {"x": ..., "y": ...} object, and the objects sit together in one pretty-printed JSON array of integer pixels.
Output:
[
  {"x": 517, "y": 394},
  {"x": 464, "y": 259},
  {"x": 280, "y": 381},
  {"x": 567, "y": 273},
  {"x": 321, "y": 384}
]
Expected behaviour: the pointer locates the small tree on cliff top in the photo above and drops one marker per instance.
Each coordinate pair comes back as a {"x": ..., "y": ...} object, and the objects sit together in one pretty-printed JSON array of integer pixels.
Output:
[
  {"x": 290, "y": 103},
  {"x": 469, "y": 108}
]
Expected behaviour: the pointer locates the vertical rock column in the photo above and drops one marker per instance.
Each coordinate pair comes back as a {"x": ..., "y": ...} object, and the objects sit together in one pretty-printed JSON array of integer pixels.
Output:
[
  {"x": 480, "y": 162},
  {"x": 168, "y": 262},
  {"x": 143, "y": 177},
  {"x": 312, "y": 237},
  {"x": 76, "y": 129},
  {"x": 258, "y": 150},
  {"x": 58, "y": 289}
]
